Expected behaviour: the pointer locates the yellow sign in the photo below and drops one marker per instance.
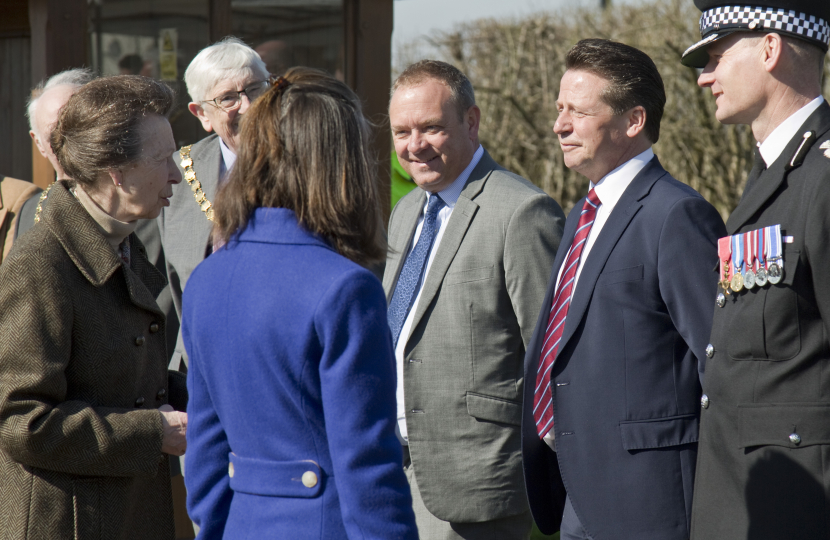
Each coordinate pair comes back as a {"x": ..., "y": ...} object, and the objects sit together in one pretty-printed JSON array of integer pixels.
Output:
[{"x": 168, "y": 53}]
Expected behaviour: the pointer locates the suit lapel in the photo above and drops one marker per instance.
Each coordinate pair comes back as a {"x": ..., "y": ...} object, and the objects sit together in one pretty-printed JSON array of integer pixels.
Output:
[
  {"x": 624, "y": 211},
  {"x": 402, "y": 236},
  {"x": 770, "y": 180},
  {"x": 462, "y": 215}
]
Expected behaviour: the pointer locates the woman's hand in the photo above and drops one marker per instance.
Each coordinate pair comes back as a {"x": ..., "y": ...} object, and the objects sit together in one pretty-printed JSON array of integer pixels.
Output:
[{"x": 175, "y": 428}]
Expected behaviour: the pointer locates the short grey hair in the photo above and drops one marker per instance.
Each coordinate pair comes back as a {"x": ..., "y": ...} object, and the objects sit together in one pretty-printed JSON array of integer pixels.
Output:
[
  {"x": 76, "y": 77},
  {"x": 462, "y": 95},
  {"x": 230, "y": 58}
]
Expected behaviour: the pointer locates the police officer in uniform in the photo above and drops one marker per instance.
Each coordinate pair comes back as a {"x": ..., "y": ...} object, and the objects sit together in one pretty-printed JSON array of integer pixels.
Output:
[{"x": 763, "y": 466}]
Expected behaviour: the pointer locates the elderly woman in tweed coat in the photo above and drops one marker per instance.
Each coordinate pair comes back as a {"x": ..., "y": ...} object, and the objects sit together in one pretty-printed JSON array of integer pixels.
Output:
[{"x": 84, "y": 420}]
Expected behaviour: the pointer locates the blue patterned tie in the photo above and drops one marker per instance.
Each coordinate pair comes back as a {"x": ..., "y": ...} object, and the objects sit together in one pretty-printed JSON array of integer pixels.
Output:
[{"x": 413, "y": 270}]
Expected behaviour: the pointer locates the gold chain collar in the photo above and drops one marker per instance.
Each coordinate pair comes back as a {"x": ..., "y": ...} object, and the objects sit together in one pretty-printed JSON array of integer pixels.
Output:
[
  {"x": 40, "y": 202},
  {"x": 195, "y": 186}
]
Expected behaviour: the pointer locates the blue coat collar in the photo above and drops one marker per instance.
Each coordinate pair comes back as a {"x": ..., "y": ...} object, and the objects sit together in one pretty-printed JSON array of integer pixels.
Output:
[{"x": 278, "y": 226}]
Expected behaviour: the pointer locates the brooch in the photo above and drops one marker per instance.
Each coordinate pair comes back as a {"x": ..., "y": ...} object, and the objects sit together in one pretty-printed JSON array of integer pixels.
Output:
[{"x": 826, "y": 147}]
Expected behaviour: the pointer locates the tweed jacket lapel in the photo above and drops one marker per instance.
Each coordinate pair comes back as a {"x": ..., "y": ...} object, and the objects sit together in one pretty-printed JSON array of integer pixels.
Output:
[
  {"x": 624, "y": 211},
  {"x": 79, "y": 236},
  {"x": 770, "y": 180},
  {"x": 462, "y": 215}
]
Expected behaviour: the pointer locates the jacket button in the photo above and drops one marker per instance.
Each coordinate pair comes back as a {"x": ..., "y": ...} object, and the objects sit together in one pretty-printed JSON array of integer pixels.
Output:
[
  {"x": 161, "y": 393},
  {"x": 309, "y": 479},
  {"x": 230, "y": 469},
  {"x": 154, "y": 328},
  {"x": 710, "y": 351},
  {"x": 140, "y": 341},
  {"x": 139, "y": 402},
  {"x": 721, "y": 300},
  {"x": 795, "y": 439},
  {"x": 704, "y": 401}
]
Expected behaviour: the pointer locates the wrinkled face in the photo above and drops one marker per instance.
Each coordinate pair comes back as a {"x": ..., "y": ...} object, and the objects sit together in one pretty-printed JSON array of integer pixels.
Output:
[
  {"x": 224, "y": 122},
  {"x": 147, "y": 184},
  {"x": 434, "y": 145},
  {"x": 591, "y": 136},
  {"x": 733, "y": 73}
]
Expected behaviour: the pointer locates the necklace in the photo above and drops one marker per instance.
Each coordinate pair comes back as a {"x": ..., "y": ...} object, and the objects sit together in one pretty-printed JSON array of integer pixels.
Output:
[
  {"x": 40, "y": 202},
  {"x": 195, "y": 186}
]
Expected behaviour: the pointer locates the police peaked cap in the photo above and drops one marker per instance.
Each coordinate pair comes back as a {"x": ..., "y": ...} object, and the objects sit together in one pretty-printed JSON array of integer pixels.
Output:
[{"x": 804, "y": 19}]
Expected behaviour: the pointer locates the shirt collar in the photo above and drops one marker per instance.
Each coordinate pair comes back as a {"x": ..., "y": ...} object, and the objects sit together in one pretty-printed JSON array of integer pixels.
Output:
[
  {"x": 611, "y": 186},
  {"x": 228, "y": 157},
  {"x": 773, "y": 145},
  {"x": 451, "y": 193}
]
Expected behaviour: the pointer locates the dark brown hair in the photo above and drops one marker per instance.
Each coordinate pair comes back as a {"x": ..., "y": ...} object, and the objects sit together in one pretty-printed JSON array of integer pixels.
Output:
[
  {"x": 304, "y": 145},
  {"x": 632, "y": 78},
  {"x": 97, "y": 129},
  {"x": 462, "y": 95}
]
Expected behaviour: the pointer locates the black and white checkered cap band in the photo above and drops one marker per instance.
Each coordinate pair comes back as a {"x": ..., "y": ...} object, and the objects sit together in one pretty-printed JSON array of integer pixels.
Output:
[{"x": 768, "y": 18}]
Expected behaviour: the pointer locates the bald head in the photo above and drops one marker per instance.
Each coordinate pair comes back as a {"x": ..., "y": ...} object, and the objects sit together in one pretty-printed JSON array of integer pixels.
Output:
[
  {"x": 48, "y": 98},
  {"x": 45, "y": 116}
]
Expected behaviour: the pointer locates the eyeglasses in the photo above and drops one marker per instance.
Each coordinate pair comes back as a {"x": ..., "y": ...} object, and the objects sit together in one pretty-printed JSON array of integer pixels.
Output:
[{"x": 232, "y": 100}]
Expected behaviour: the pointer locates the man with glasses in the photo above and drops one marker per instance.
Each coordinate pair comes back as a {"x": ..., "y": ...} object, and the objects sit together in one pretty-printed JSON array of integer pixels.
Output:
[{"x": 222, "y": 80}]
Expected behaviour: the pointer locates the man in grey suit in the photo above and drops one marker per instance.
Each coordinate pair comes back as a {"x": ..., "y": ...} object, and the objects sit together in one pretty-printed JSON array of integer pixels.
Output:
[
  {"x": 222, "y": 80},
  {"x": 469, "y": 257}
]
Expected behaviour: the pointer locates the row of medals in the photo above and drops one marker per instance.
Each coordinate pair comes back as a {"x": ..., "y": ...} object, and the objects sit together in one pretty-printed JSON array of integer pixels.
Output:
[{"x": 749, "y": 279}]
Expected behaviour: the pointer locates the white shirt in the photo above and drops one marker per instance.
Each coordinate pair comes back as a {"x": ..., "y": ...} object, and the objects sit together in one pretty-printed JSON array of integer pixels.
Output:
[
  {"x": 781, "y": 136},
  {"x": 227, "y": 161},
  {"x": 609, "y": 190},
  {"x": 450, "y": 196}
]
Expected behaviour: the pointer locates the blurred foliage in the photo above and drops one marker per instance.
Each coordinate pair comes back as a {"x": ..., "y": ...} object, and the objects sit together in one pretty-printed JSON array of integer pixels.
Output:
[{"x": 516, "y": 65}]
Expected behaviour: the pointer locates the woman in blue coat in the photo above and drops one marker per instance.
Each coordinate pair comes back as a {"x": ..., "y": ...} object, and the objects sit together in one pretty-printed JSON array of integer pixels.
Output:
[{"x": 291, "y": 375}]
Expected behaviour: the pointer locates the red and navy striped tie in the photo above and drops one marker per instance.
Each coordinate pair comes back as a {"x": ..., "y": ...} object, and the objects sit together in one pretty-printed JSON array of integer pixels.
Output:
[{"x": 543, "y": 397}]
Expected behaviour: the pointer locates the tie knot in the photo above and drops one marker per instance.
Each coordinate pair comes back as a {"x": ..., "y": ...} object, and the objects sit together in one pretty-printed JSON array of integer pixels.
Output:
[
  {"x": 593, "y": 198},
  {"x": 436, "y": 203}
]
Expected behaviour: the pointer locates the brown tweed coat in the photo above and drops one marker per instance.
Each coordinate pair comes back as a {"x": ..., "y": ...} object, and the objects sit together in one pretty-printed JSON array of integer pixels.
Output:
[{"x": 83, "y": 367}]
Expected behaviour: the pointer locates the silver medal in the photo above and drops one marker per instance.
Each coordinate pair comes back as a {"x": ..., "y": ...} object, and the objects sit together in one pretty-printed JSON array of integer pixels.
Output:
[
  {"x": 775, "y": 273},
  {"x": 749, "y": 279},
  {"x": 761, "y": 277},
  {"x": 720, "y": 300}
]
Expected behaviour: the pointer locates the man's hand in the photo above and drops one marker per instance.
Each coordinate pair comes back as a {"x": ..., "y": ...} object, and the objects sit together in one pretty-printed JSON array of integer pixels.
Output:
[{"x": 175, "y": 428}]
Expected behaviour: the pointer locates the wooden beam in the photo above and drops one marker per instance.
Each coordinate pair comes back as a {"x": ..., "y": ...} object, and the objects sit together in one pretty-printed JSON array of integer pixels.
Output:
[
  {"x": 220, "y": 19},
  {"x": 368, "y": 35},
  {"x": 59, "y": 41}
]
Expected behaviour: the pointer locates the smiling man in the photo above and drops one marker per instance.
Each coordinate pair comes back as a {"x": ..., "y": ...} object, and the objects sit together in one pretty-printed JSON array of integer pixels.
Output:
[
  {"x": 609, "y": 431},
  {"x": 470, "y": 253},
  {"x": 764, "y": 463},
  {"x": 222, "y": 80}
]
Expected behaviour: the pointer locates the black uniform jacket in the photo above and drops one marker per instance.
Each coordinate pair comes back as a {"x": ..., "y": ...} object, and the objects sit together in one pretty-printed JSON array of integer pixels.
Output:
[{"x": 764, "y": 457}]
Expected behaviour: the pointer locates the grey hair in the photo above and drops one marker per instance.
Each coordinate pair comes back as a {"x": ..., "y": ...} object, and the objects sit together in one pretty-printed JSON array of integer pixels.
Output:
[
  {"x": 230, "y": 58},
  {"x": 76, "y": 77}
]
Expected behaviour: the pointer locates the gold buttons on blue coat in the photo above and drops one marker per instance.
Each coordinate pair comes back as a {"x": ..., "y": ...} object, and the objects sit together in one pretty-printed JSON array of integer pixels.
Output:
[
  {"x": 795, "y": 438},
  {"x": 309, "y": 479},
  {"x": 230, "y": 469},
  {"x": 704, "y": 401}
]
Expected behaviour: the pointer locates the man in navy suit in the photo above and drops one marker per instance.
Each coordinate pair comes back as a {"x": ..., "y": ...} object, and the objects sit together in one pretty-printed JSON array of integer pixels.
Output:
[{"x": 611, "y": 400}]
